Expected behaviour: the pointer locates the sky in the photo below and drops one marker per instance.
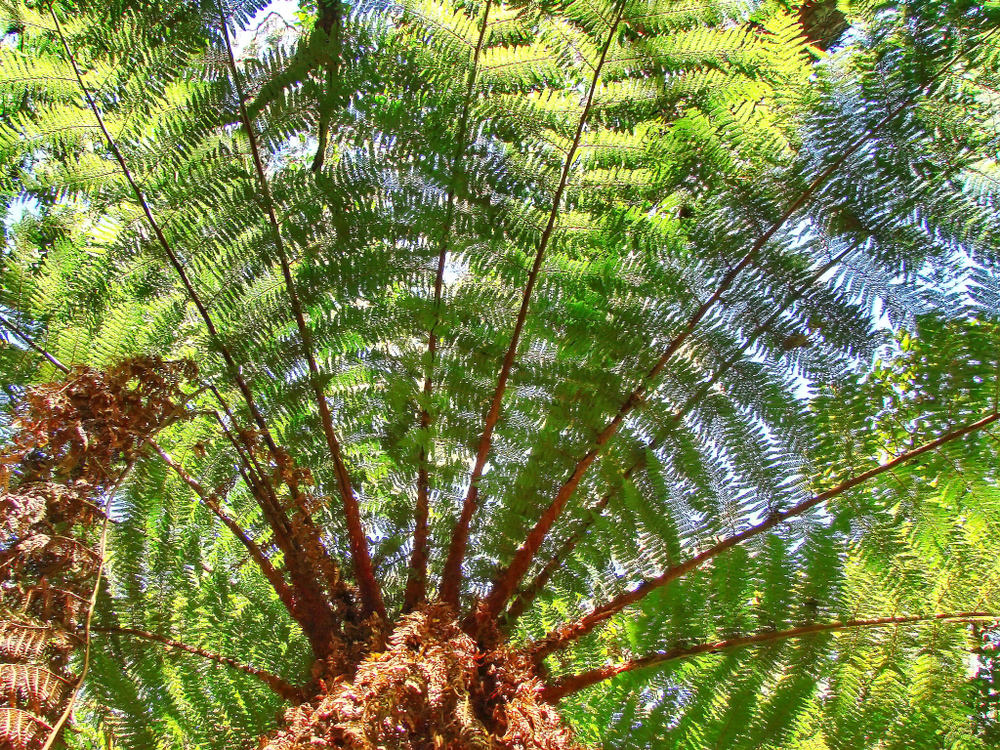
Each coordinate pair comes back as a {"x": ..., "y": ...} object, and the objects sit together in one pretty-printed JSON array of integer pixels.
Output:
[{"x": 284, "y": 8}]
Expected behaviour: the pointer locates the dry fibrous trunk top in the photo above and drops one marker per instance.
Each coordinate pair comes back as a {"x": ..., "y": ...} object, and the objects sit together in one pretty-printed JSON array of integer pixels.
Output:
[{"x": 431, "y": 688}]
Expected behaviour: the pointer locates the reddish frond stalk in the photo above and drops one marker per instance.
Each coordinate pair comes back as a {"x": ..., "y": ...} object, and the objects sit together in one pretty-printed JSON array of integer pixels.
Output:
[
  {"x": 250, "y": 469},
  {"x": 567, "y": 633},
  {"x": 263, "y": 492},
  {"x": 528, "y": 594},
  {"x": 508, "y": 581},
  {"x": 233, "y": 368},
  {"x": 304, "y": 599},
  {"x": 31, "y": 344},
  {"x": 364, "y": 571},
  {"x": 278, "y": 685},
  {"x": 274, "y": 577},
  {"x": 573, "y": 683},
  {"x": 451, "y": 580},
  {"x": 416, "y": 581}
]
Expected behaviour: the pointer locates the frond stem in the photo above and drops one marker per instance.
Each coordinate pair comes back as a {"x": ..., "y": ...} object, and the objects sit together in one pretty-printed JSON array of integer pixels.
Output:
[
  {"x": 371, "y": 593},
  {"x": 576, "y": 682},
  {"x": 31, "y": 343},
  {"x": 452, "y": 575},
  {"x": 254, "y": 477},
  {"x": 261, "y": 490},
  {"x": 509, "y": 579},
  {"x": 566, "y": 634},
  {"x": 274, "y": 577},
  {"x": 278, "y": 685},
  {"x": 416, "y": 581},
  {"x": 329, "y": 16}
]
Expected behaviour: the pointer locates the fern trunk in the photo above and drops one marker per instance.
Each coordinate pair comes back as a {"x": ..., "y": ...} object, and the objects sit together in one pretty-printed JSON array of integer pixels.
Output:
[{"x": 429, "y": 687}]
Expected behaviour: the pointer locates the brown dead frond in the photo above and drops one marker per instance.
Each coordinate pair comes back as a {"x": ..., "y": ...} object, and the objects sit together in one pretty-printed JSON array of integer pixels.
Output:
[
  {"x": 83, "y": 426},
  {"x": 72, "y": 444}
]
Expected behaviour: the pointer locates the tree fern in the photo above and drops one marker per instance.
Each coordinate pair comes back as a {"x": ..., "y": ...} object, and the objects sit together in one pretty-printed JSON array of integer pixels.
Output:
[{"x": 594, "y": 373}]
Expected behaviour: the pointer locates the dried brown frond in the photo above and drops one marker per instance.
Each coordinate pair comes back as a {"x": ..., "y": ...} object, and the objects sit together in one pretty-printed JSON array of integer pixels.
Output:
[
  {"x": 37, "y": 687},
  {"x": 20, "y": 641},
  {"x": 21, "y": 730},
  {"x": 81, "y": 427},
  {"x": 73, "y": 442}
]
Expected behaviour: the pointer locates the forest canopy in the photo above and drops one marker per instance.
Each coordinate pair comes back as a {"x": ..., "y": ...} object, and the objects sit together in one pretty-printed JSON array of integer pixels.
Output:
[{"x": 465, "y": 373}]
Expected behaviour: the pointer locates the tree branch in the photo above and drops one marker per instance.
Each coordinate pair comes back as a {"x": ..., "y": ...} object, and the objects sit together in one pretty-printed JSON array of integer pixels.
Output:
[
  {"x": 452, "y": 574},
  {"x": 416, "y": 580},
  {"x": 574, "y": 683},
  {"x": 279, "y": 686},
  {"x": 28, "y": 340},
  {"x": 570, "y": 632},
  {"x": 371, "y": 593}
]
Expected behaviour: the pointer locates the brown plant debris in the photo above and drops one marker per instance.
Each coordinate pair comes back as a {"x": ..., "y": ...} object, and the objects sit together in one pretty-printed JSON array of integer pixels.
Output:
[
  {"x": 73, "y": 442},
  {"x": 432, "y": 688},
  {"x": 81, "y": 428}
]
